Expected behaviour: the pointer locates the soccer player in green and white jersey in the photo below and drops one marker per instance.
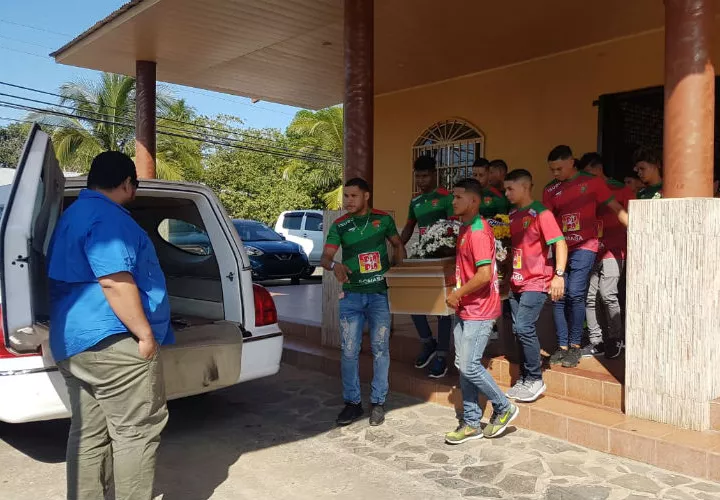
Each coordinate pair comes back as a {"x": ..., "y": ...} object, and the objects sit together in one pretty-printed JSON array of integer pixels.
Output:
[
  {"x": 362, "y": 234},
  {"x": 648, "y": 165},
  {"x": 431, "y": 205}
]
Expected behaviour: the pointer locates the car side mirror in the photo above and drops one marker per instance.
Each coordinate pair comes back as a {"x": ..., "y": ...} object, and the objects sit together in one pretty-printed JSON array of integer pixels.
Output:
[{"x": 283, "y": 236}]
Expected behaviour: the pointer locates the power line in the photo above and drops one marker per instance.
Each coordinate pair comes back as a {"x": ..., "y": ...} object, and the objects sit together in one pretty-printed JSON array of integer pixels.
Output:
[
  {"x": 253, "y": 148},
  {"x": 23, "y": 41},
  {"x": 36, "y": 28},
  {"x": 120, "y": 121},
  {"x": 3, "y": 47},
  {"x": 331, "y": 154},
  {"x": 217, "y": 129}
]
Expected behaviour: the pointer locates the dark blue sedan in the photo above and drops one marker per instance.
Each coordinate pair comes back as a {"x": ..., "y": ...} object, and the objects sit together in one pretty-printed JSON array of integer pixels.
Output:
[{"x": 271, "y": 256}]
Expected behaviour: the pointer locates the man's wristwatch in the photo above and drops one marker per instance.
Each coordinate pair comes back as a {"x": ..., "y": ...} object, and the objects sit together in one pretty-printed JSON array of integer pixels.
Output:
[
  {"x": 332, "y": 265},
  {"x": 560, "y": 272}
]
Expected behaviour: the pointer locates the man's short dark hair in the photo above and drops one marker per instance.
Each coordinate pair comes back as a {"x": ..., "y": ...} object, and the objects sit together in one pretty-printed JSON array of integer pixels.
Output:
[
  {"x": 470, "y": 184},
  {"x": 358, "y": 183},
  {"x": 424, "y": 163},
  {"x": 110, "y": 169},
  {"x": 519, "y": 174},
  {"x": 561, "y": 152},
  {"x": 648, "y": 155},
  {"x": 499, "y": 164},
  {"x": 590, "y": 160},
  {"x": 481, "y": 162}
]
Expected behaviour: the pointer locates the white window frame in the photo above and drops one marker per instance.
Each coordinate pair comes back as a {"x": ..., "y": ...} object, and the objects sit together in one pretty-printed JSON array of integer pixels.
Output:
[{"x": 455, "y": 144}]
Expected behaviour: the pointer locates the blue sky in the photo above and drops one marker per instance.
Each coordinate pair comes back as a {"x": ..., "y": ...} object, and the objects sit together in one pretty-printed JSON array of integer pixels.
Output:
[{"x": 31, "y": 29}]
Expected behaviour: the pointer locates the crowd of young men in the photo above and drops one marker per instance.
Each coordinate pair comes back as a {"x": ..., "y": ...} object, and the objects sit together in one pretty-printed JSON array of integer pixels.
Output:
[{"x": 570, "y": 248}]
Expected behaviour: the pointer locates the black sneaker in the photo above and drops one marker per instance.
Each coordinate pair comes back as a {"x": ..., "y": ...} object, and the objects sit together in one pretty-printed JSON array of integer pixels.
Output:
[
  {"x": 438, "y": 367},
  {"x": 558, "y": 356},
  {"x": 593, "y": 350},
  {"x": 572, "y": 358},
  {"x": 350, "y": 414},
  {"x": 614, "y": 349},
  {"x": 377, "y": 415},
  {"x": 426, "y": 355}
]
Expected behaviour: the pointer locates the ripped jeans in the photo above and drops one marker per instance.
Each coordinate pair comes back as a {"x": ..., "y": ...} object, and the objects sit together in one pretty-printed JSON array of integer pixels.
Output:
[{"x": 355, "y": 309}]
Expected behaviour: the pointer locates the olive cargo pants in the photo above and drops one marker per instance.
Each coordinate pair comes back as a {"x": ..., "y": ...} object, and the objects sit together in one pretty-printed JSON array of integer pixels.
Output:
[{"x": 118, "y": 408}]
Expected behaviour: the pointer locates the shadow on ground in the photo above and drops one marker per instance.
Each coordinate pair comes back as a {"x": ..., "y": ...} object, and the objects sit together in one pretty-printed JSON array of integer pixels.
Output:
[{"x": 206, "y": 435}]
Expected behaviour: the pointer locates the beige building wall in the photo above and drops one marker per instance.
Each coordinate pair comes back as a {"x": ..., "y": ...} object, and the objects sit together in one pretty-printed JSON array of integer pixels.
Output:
[{"x": 523, "y": 110}]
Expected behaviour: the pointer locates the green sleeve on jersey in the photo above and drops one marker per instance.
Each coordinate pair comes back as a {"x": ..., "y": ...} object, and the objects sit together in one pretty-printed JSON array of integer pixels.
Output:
[
  {"x": 333, "y": 236},
  {"x": 390, "y": 227},
  {"x": 411, "y": 212},
  {"x": 554, "y": 240}
]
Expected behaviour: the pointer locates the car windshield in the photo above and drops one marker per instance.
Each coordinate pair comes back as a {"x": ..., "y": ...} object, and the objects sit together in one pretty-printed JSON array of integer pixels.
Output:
[{"x": 256, "y": 231}]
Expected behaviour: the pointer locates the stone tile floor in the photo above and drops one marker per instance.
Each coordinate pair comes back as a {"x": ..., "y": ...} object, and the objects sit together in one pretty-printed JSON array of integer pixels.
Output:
[{"x": 275, "y": 439}]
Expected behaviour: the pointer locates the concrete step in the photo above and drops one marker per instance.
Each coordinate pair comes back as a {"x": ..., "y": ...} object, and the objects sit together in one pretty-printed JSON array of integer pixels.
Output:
[
  {"x": 582, "y": 423},
  {"x": 596, "y": 381}
]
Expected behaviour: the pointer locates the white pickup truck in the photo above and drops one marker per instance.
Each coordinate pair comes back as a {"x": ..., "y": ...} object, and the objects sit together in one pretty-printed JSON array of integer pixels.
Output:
[{"x": 225, "y": 326}]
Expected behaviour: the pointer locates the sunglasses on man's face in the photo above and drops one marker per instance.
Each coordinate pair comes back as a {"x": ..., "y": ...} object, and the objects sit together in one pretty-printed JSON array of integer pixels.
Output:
[{"x": 135, "y": 183}]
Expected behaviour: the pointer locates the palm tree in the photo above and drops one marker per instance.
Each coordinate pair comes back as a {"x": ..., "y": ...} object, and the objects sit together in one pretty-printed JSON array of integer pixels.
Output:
[
  {"x": 111, "y": 99},
  {"x": 320, "y": 134}
]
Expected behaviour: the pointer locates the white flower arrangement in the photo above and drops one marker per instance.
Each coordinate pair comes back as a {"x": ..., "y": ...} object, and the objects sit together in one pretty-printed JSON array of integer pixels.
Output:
[{"x": 437, "y": 241}]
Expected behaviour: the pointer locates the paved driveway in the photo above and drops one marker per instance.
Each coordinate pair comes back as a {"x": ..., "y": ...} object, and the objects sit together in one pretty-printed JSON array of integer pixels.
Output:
[{"x": 275, "y": 439}]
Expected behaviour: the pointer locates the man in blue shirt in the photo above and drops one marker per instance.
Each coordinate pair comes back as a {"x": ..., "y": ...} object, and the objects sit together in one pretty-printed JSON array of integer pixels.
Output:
[{"x": 109, "y": 313}]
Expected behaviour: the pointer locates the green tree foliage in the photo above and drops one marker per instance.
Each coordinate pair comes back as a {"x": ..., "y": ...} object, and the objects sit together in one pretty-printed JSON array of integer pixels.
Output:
[
  {"x": 111, "y": 99},
  {"x": 250, "y": 183},
  {"x": 12, "y": 139},
  {"x": 319, "y": 133}
]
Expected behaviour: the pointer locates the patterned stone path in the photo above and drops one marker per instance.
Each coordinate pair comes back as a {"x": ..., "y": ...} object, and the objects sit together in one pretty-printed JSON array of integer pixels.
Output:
[{"x": 275, "y": 439}]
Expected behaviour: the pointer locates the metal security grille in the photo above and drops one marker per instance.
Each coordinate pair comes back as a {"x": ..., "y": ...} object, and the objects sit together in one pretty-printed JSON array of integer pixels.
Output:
[
  {"x": 454, "y": 144},
  {"x": 629, "y": 120}
]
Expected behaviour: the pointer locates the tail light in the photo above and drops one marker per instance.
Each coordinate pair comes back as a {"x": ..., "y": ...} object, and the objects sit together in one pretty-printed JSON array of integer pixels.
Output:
[
  {"x": 4, "y": 353},
  {"x": 265, "y": 311}
]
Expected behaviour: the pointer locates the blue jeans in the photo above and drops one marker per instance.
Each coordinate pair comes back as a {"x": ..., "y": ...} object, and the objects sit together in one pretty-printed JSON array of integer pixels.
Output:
[
  {"x": 569, "y": 312},
  {"x": 444, "y": 327},
  {"x": 355, "y": 309},
  {"x": 471, "y": 337},
  {"x": 526, "y": 308}
]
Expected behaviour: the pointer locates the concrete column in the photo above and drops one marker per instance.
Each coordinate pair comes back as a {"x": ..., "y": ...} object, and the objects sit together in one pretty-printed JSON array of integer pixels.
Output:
[
  {"x": 359, "y": 89},
  {"x": 145, "y": 119},
  {"x": 689, "y": 99},
  {"x": 673, "y": 315}
]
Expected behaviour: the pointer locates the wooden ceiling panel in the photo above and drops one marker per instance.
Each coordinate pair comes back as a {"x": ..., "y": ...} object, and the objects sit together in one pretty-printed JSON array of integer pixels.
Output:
[{"x": 290, "y": 51}]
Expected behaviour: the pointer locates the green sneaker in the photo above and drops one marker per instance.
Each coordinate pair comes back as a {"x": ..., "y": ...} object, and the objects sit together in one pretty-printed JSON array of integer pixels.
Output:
[
  {"x": 499, "y": 422},
  {"x": 463, "y": 433}
]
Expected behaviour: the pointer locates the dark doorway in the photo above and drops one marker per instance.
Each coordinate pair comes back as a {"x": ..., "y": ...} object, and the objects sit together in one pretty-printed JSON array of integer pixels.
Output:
[{"x": 628, "y": 120}]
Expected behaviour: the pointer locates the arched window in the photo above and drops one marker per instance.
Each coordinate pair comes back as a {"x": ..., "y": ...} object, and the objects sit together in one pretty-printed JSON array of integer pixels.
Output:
[{"x": 454, "y": 144}]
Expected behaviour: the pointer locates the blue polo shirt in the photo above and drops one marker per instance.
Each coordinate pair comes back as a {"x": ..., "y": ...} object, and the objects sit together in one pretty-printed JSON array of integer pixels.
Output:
[{"x": 96, "y": 237}]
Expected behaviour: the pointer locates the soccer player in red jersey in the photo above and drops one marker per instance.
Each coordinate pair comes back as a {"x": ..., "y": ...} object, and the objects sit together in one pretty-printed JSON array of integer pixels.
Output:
[
  {"x": 476, "y": 301},
  {"x": 606, "y": 278},
  {"x": 574, "y": 198},
  {"x": 534, "y": 233},
  {"x": 633, "y": 182}
]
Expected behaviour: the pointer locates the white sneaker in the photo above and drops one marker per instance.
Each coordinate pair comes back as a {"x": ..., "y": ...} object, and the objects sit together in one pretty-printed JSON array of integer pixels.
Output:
[
  {"x": 516, "y": 389},
  {"x": 530, "y": 391}
]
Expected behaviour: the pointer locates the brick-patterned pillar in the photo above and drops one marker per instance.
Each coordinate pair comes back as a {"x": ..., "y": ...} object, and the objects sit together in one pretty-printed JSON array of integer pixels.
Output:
[{"x": 145, "y": 119}]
